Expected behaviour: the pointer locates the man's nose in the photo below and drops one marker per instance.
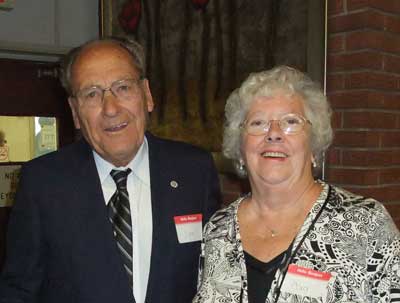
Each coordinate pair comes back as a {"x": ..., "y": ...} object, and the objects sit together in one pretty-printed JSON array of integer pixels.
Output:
[{"x": 110, "y": 102}]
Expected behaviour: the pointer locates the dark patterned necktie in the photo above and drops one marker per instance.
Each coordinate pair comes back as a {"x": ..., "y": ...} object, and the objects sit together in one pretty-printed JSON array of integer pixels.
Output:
[{"x": 120, "y": 217}]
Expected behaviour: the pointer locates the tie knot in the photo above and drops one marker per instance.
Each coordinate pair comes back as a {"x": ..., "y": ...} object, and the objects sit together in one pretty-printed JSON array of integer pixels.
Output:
[{"x": 120, "y": 177}]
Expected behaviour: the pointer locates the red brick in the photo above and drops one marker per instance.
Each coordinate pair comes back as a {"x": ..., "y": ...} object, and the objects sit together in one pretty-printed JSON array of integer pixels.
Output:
[
  {"x": 357, "y": 99},
  {"x": 370, "y": 120},
  {"x": 354, "y": 21},
  {"x": 392, "y": 101},
  {"x": 371, "y": 80},
  {"x": 394, "y": 211},
  {"x": 369, "y": 39},
  {"x": 368, "y": 99},
  {"x": 382, "y": 193},
  {"x": 391, "y": 63},
  {"x": 333, "y": 156},
  {"x": 335, "y": 82},
  {"x": 357, "y": 4},
  {"x": 354, "y": 61},
  {"x": 335, "y": 43},
  {"x": 371, "y": 157},
  {"x": 353, "y": 176},
  {"x": 335, "y": 7},
  {"x": 390, "y": 139},
  {"x": 356, "y": 139},
  {"x": 390, "y": 6},
  {"x": 392, "y": 24},
  {"x": 390, "y": 175},
  {"x": 337, "y": 120}
]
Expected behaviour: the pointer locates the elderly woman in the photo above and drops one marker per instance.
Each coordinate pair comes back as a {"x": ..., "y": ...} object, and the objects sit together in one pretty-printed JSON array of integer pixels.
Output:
[{"x": 293, "y": 238}]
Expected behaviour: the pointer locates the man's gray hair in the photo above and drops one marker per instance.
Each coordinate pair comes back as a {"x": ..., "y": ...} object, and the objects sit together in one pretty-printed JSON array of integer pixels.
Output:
[{"x": 280, "y": 79}]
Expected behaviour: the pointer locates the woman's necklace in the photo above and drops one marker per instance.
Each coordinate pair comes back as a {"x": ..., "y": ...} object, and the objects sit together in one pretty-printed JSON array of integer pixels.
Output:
[{"x": 274, "y": 232}]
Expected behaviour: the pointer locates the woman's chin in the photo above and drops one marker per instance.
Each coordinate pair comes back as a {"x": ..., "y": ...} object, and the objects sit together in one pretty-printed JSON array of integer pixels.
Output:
[{"x": 272, "y": 179}]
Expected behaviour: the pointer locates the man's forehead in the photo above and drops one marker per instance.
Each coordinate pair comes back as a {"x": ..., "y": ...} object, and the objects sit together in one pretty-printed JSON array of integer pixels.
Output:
[
  {"x": 102, "y": 50},
  {"x": 99, "y": 57}
]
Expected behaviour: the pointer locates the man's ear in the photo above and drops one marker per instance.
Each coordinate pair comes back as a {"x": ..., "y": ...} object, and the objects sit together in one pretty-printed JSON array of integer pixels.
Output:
[
  {"x": 148, "y": 96},
  {"x": 73, "y": 106}
]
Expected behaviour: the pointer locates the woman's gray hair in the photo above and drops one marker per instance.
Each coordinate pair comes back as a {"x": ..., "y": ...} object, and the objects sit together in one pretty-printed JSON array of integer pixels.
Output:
[
  {"x": 267, "y": 83},
  {"x": 133, "y": 48}
]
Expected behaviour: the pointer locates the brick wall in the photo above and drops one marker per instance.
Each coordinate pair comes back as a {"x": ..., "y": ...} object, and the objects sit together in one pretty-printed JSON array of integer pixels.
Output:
[{"x": 363, "y": 85}]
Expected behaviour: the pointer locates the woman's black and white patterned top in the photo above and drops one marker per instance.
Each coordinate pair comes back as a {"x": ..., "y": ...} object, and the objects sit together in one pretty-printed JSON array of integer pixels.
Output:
[{"x": 354, "y": 239}]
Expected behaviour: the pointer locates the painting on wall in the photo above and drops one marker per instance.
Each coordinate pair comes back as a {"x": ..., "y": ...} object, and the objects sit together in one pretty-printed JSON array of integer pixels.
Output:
[{"x": 198, "y": 51}]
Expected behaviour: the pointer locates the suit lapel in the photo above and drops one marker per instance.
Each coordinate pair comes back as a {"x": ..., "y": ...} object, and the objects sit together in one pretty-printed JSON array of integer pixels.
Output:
[
  {"x": 159, "y": 198},
  {"x": 97, "y": 229},
  {"x": 88, "y": 183}
]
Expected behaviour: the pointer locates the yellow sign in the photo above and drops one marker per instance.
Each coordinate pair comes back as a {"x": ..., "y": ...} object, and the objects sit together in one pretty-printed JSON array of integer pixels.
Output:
[{"x": 4, "y": 153}]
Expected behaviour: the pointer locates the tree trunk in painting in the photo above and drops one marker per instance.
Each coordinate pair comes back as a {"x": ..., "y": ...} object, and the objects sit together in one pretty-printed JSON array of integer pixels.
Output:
[
  {"x": 160, "y": 62},
  {"x": 204, "y": 66},
  {"x": 219, "y": 49},
  {"x": 182, "y": 60}
]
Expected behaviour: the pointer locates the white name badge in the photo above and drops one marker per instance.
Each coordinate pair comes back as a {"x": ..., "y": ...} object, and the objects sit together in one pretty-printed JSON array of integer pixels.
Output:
[
  {"x": 306, "y": 282},
  {"x": 189, "y": 228}
]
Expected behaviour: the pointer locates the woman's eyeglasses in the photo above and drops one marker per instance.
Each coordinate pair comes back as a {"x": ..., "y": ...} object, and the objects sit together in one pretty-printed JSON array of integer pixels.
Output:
[{"x": 289, "y": 124}]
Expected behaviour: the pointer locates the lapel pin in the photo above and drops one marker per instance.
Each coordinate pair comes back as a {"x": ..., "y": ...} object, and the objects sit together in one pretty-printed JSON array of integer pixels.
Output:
[{"x": 173, "y": 184}]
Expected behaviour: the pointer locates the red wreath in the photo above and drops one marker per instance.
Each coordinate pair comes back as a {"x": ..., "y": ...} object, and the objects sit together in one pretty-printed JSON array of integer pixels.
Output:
[
  {"x": 200, "y": 4},
  {"x": 130, "y": 15}
]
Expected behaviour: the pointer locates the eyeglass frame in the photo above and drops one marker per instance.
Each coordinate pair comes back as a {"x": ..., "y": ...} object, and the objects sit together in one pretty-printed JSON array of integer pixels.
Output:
[
  {"x": 266, "y": 129},
  {"x": 103, "y": 90}
]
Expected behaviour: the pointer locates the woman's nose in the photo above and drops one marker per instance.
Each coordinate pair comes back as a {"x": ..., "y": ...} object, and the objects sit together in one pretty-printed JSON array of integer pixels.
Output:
[{"x": 274, "y": 133}]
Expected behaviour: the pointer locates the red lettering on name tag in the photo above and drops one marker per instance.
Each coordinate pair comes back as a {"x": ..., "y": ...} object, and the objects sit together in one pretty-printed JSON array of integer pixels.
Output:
[
  {"x": 309, "y": 273},
  {"x": 188, "y": 218}
]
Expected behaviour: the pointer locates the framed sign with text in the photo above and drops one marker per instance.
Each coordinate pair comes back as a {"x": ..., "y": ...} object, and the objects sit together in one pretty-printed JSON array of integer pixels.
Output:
[{"x": 9, "y": 177}]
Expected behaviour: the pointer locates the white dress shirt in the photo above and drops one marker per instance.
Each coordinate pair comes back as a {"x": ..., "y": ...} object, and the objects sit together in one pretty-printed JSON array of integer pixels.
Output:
[{"x": 138, "y": 186}]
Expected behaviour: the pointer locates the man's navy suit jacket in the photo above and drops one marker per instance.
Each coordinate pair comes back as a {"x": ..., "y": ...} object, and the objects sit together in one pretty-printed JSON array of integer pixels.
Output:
[{"x": 60, "y": 243}]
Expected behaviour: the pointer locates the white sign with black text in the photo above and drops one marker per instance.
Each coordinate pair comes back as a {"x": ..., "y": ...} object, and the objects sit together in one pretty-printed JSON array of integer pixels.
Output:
[{"x": 9, "y": 176}]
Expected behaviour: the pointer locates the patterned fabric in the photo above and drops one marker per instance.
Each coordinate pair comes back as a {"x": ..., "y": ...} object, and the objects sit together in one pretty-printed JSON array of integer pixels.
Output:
[
  {"x": 354, "y": 239},
  {"x": 120, "y": 217}
]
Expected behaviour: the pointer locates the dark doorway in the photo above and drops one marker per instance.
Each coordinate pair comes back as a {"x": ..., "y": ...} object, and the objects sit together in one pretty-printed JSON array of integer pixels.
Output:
[{"x": 32, "y": 89}]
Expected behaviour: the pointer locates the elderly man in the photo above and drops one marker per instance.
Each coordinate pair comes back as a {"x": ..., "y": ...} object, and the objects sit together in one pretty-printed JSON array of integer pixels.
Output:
[{"x": 116, "y": 216}]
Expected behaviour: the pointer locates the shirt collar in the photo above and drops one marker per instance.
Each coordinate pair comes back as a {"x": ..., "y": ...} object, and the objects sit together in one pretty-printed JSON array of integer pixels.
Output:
[{"x": 139, "y": 164}]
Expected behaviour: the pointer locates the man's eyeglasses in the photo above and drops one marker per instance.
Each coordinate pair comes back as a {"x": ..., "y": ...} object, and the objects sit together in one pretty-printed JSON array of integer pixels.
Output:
[
  {"x": 124, "y": 90},
  {"x": 289, "y": 124}
]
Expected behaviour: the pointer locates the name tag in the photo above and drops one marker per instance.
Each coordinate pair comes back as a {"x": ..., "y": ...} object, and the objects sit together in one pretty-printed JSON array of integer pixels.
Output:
[
  {"x": 189, "y": 228},
  {"x": 306, "y": 282}
]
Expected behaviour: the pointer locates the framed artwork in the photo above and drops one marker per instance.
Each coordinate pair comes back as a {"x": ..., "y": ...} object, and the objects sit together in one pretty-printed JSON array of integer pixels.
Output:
[{"x": 199, "y": 51}]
